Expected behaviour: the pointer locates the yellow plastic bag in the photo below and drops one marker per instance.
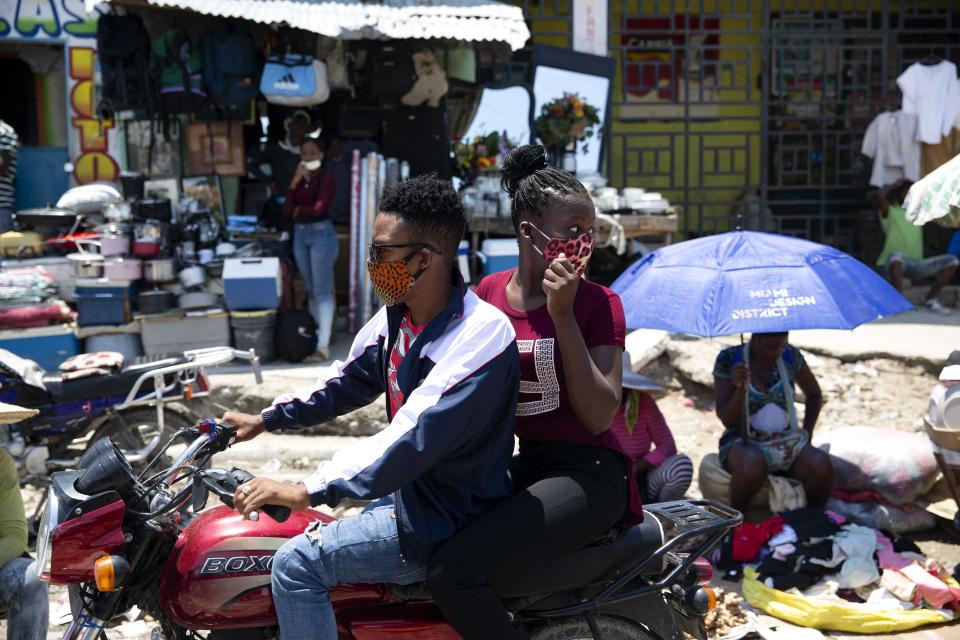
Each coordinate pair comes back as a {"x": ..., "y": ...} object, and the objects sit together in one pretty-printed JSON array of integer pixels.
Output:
[{"x": 821, "y": 614}]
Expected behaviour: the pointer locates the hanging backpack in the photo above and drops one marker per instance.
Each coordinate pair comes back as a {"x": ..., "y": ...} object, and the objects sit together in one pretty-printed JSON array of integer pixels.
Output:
[
  {"x": 294, "y": 80},
  {"x": 390, "y": 69},
  {"x": 295, "y": 335},
  {"x": 178, "y": 73},
  {"x": 230, "y": 66},
  {"x": 123, "y": 47}
]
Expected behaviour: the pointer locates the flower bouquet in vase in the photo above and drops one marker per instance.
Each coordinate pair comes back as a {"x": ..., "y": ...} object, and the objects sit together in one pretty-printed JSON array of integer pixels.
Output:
[{"x": 562, "y": 123}]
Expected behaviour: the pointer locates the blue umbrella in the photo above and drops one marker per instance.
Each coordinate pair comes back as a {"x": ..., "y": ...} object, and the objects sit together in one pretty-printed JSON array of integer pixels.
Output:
[{"x": 747, "y": 282}]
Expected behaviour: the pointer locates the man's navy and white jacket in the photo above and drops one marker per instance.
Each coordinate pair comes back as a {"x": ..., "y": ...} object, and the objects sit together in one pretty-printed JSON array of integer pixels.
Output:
[{"x": 444, "y": 455}]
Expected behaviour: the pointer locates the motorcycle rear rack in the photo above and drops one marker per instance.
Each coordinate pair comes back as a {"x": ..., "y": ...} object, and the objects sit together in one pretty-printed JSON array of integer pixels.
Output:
[
  {"x": 693, "y": 519},
  {"x": 196, "y": 358}
]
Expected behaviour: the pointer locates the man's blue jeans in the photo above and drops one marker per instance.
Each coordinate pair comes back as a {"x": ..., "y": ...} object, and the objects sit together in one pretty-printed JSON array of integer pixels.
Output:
[
  {"x": 22, "y": 592},
  {"x": 364, "y": 549},
  {"x": 315, "y": 249}
]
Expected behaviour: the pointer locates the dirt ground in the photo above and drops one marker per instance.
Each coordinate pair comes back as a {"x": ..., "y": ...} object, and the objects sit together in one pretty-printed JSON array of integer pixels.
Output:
[{"x": 884, "y": 393}]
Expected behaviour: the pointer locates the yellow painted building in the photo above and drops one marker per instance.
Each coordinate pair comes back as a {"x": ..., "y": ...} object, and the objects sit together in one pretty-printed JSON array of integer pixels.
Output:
[{"x": 718, "y": 99}]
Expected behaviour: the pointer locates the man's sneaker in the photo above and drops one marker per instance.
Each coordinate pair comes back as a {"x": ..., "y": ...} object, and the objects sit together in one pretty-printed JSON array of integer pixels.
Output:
[{"x": 935, "y": 306}]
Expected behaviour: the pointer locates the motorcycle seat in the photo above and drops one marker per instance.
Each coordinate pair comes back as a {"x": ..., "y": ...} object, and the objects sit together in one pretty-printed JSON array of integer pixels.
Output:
[
  {"x": 596, "y": 563},
  {"x": 106, "y": 386}
]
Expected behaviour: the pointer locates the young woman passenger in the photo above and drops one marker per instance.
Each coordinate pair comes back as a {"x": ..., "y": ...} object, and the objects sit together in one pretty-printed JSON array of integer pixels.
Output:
[{"x": 572, "y": 481}]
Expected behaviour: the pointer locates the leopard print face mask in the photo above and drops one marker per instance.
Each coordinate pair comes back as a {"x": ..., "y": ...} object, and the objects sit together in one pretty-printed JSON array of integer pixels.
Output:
[
  {"x": 577, "y": 250},
  {"x": 391, "y": 280}
]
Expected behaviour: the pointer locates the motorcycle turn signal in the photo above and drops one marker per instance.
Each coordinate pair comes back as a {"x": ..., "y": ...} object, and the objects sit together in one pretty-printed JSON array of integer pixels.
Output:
[{"x": 110, "y": 572}]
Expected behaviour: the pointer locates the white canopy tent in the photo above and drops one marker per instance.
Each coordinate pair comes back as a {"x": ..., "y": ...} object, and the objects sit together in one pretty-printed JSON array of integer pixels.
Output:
[{"x": 467, "y": 20}]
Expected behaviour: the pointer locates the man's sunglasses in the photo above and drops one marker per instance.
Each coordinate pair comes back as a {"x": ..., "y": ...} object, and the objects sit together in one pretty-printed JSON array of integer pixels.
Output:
[{"x": 375, "y": 248}]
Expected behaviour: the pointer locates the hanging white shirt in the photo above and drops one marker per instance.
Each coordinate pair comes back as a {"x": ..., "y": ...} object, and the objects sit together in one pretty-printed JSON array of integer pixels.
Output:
[
  {"x": 932, "y": 92},
  {"x": 890, "y": 141}
]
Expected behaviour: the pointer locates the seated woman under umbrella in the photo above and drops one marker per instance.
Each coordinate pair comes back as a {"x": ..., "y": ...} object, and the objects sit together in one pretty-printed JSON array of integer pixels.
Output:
[
  {"x": 754, "y": 386},
  {"x": 661, "y": 473}
]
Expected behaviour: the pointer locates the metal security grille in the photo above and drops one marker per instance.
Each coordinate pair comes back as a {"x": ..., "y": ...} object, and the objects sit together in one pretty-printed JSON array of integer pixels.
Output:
[{"x": 831, "y": 72}]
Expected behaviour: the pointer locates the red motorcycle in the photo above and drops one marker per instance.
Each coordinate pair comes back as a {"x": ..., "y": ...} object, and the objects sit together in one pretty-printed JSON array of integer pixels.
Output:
[{"x": 122, "y": 541}]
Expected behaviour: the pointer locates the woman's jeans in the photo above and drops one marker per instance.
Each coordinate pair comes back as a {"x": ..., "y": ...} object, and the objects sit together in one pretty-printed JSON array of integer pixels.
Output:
[{"x": 315, "y": 249}]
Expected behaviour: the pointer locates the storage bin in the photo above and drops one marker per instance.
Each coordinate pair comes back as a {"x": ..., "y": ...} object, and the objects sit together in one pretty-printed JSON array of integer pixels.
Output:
[
  {"x": 499, "y": 255},
  {"x": 103, "y": 302},
  {"x": 178, "y": 332},
  {"x": 251, "y": 284},
  {"x": 127, "y": 344},
  {"x": 255, "y": 330},
  {"x": 47, "y": 346}
]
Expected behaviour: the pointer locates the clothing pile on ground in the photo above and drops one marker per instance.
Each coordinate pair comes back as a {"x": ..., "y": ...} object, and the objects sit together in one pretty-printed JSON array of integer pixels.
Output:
[
  {"x": 880, "y": 475},
  {"x": 28, "y": 298},
  {"x": 806, "y": 559}
]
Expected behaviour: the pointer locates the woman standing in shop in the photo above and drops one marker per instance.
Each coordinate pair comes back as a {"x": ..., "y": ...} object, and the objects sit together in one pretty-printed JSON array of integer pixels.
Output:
[
  {"x": 572, "y": 480},
  {"x": 315, "y": 246}
]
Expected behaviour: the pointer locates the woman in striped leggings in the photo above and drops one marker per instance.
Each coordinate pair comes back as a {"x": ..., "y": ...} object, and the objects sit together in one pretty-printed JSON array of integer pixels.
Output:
[{"x": 662, "y": 473}]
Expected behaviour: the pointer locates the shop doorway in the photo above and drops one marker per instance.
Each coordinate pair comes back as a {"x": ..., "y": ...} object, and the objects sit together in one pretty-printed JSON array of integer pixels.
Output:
[{"x": 35, "y": 105}]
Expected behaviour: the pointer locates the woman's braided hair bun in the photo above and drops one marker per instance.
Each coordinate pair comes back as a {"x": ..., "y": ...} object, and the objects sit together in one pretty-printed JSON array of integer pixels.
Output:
[{"x": 520, "y": 163}]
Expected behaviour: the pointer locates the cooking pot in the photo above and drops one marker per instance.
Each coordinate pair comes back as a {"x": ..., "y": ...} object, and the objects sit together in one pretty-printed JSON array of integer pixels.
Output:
[
  {"x": 158, "y": 301},
  {"x": 159, "y": 270},
  {"x": 114, "y": 244},
  {"x": 193, "y": 277},
  {"x": 46, "y": 217},
  {"x": 132, "y": 184},
  {"x": 158, "y": 209},
  {"x": 86, "y": 265},
  {"x": 226, "y": 250},
  {"x": 122, "y": 269},
  {"x": 214, "y": 269},
  {"x": 198, "y": 300}
]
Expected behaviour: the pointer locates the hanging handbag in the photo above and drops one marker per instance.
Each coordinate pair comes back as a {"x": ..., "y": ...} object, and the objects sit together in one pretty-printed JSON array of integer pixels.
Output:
[{"x": 294, "y": 81}]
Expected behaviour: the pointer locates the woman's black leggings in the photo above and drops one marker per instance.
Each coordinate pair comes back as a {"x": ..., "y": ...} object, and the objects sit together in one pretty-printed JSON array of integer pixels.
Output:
[{"x": 571, "y": 495}]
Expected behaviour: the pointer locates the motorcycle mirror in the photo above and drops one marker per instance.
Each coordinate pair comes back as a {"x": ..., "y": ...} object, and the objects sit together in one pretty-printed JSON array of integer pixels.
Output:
[{"x": 200, "y": 493}]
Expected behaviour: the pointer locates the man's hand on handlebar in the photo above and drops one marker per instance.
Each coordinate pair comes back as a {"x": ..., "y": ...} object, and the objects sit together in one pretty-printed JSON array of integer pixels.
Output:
[
  {"x": 248, "y": 426},
  {"x": 251, "y": 496}
]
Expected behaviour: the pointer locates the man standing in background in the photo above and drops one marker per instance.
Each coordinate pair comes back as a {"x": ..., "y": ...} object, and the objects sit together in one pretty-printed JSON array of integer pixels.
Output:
[{"x": 9, "y": 146}]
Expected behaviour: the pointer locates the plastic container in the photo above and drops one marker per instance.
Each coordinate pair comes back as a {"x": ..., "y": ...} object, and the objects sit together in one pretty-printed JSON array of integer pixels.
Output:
[
  {"x": 255, "y": 330},
  {"x": 47, "y": 346},
  {"x": 499, "y": 255},
  {"x": 179, "y": 332},
  {"x": 127, "y": 344},
  {"x": 251, "y": 284},
  {"x": 103, "y": 302}
]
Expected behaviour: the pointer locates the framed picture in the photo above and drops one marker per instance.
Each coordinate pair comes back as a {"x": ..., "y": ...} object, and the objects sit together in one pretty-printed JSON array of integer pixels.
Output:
[
  {"x": 216, "y": 147},
  {"x": 167, "y": 188},
  {"x": 152, "y": 149},
  {"x": 206, "y": 189}
]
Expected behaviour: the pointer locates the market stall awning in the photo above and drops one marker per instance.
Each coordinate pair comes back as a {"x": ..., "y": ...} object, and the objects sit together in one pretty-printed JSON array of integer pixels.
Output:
[{"x": 469, "y": 20}]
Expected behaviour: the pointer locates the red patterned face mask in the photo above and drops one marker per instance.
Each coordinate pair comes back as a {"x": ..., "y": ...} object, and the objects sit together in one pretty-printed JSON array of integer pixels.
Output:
[{"x": 577, "y": 250}]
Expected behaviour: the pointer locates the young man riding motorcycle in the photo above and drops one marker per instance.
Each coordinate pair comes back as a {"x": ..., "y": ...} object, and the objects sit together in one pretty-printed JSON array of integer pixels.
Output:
[{"x": 449, "y": 365}]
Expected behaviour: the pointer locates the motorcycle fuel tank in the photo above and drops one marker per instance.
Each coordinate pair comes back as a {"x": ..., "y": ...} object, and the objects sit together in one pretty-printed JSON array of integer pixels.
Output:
[{"x": 218, "y": 575}]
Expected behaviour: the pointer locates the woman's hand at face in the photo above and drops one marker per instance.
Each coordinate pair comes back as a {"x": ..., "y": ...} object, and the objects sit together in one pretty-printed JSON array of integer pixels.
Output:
[{"x": 560, "y": 282}]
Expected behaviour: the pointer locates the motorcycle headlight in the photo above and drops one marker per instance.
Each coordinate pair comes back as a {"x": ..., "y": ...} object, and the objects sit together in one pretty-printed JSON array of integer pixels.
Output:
[{"x": 49, "y": 522}]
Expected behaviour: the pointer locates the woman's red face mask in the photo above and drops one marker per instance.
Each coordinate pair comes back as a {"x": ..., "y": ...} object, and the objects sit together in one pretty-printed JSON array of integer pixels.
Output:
[{"x": 577, "y": 250}]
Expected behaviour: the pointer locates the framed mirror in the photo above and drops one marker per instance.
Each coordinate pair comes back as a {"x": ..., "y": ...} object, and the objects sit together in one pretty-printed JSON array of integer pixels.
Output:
[
  {"x": 558, "y": 71},
  {"x": 503, "y": 109}
]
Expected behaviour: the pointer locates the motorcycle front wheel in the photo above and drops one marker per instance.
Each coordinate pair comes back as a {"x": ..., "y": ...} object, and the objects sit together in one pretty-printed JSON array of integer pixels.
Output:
[{"x": 578, "y": 629}]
